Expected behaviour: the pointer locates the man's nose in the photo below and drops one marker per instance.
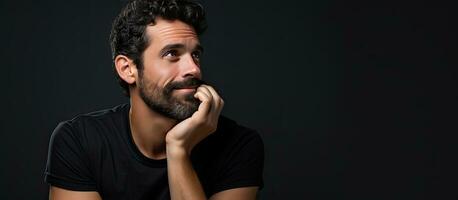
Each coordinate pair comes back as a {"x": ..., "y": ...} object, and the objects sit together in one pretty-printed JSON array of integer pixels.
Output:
[{"x": 190, "y": 67}]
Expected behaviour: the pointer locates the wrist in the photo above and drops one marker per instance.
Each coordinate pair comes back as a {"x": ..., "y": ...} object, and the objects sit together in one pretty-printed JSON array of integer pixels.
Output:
[{"x": 175, "y": 150}]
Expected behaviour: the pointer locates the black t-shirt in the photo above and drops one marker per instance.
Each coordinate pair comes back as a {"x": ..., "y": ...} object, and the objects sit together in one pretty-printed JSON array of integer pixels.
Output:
[{"x": 96, "y": 152}]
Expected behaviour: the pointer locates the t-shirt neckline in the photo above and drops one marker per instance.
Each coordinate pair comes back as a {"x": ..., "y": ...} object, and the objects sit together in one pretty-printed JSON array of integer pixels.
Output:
[{"x": 133, "y": 147}]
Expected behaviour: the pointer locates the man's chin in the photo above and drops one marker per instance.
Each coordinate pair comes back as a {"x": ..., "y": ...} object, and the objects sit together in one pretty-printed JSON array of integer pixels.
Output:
[
  {"x": 190, "y": 104},
  {"x": 185, "y": 110},
  {"x": 186, "y": 98}
]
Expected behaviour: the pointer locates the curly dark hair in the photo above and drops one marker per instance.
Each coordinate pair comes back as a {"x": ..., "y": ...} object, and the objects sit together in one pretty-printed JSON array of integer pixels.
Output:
[{"x": 128, "y": 33}]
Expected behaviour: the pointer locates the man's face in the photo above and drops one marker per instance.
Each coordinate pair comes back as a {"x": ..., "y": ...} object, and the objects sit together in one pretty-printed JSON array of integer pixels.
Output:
[{"x": 171, "y": 69}]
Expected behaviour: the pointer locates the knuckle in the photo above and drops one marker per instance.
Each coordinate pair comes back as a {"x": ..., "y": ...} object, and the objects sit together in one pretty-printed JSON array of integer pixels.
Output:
[{"x": 212, "y": 129}]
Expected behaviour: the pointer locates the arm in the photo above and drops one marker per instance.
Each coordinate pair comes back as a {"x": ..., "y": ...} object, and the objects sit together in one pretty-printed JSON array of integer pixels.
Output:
[
  {"x": 245, "y": 193},
  {"x": 185, "y": 184},
  {"x": 66, "y": 166},
  {"x": 56, "y": 193},
  {"x": 183, "y": 180}
]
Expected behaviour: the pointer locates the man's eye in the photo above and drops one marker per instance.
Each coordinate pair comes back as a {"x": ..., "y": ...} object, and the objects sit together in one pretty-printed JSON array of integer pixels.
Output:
[
  {"x": 197, "y": 54},
  {"x": 171, "y": 53}
]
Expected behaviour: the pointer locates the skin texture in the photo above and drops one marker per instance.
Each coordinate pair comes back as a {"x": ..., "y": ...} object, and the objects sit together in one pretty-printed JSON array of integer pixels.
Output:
[{"x": 157, "y": 136}]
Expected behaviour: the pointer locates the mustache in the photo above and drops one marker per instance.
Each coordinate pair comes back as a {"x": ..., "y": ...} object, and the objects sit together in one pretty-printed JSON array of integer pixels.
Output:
[{"x": 190, "y": 82}]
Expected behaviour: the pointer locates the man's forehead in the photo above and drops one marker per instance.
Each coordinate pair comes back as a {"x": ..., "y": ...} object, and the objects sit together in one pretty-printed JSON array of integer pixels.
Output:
[{"x": 171, "y": 30}]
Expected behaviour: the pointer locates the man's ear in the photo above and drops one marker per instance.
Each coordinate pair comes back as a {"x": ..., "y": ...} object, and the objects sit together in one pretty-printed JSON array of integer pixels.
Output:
[{"x": 126, "y": 69}]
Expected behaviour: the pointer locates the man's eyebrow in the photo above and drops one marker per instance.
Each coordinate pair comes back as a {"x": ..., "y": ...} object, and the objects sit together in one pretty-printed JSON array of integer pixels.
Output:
[
  {"x": 178, "y": 46},
  {"x": 169, "y": 47},
  {"x": 199, "y": 48}
]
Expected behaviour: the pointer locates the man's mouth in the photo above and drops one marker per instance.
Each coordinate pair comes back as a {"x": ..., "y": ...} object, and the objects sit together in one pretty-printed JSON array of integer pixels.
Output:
[
  {"x": 187, "y": 86},
  {"x": 190, "y": 87},
  {"x": 187, "y": 89}
]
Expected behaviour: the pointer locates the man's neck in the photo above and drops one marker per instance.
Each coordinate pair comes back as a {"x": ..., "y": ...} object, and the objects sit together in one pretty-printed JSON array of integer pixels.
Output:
[{"x": 148, "y": 129}]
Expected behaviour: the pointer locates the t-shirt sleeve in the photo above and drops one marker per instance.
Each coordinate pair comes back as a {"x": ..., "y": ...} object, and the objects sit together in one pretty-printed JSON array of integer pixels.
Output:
[
  {"x": 68, "y": 164},
  {"x": 244, "y": 167}
]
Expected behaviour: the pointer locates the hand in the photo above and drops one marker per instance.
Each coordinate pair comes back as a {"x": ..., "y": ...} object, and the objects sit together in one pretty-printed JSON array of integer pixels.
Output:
[{"x": 186, "y": 134}]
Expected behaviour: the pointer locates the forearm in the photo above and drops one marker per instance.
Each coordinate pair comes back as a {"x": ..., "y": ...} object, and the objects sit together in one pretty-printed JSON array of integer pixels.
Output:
[{"x": 183, "y": 180}]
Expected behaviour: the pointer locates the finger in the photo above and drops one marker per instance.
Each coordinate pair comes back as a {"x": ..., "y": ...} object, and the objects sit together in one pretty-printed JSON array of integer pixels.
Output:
[
  {"x": 214, "y": 110},
  {"x": 207, "y": 95},
  {"x": 217, "y": 101},
  {"x": 204, "y": 106},
  {"x": 214, "y": 94},
  {"x": 207, "y": 92},
  {"x": 213, "y": 115}
]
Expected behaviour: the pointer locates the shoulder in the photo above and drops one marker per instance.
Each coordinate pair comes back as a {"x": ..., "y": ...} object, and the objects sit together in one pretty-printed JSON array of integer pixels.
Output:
[
  {"x": 100, "y": 116},
  {"x": 229, "y": 128},
  {"x": 84, "y": 126},
  {"x": 77, "y": 145},
  {"x": 231, "y": 138}
]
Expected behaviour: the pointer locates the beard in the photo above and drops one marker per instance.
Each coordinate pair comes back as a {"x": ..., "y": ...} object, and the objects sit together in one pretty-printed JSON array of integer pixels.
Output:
[{"x": 163, "y": 102}]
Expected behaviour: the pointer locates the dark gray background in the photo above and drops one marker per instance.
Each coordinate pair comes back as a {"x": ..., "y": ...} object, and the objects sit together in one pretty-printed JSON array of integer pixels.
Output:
[{"x": 354, "y": 99}]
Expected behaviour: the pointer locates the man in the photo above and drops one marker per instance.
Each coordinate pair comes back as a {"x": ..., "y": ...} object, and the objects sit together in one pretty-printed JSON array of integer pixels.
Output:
[{"x": 170, "y": 141}]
